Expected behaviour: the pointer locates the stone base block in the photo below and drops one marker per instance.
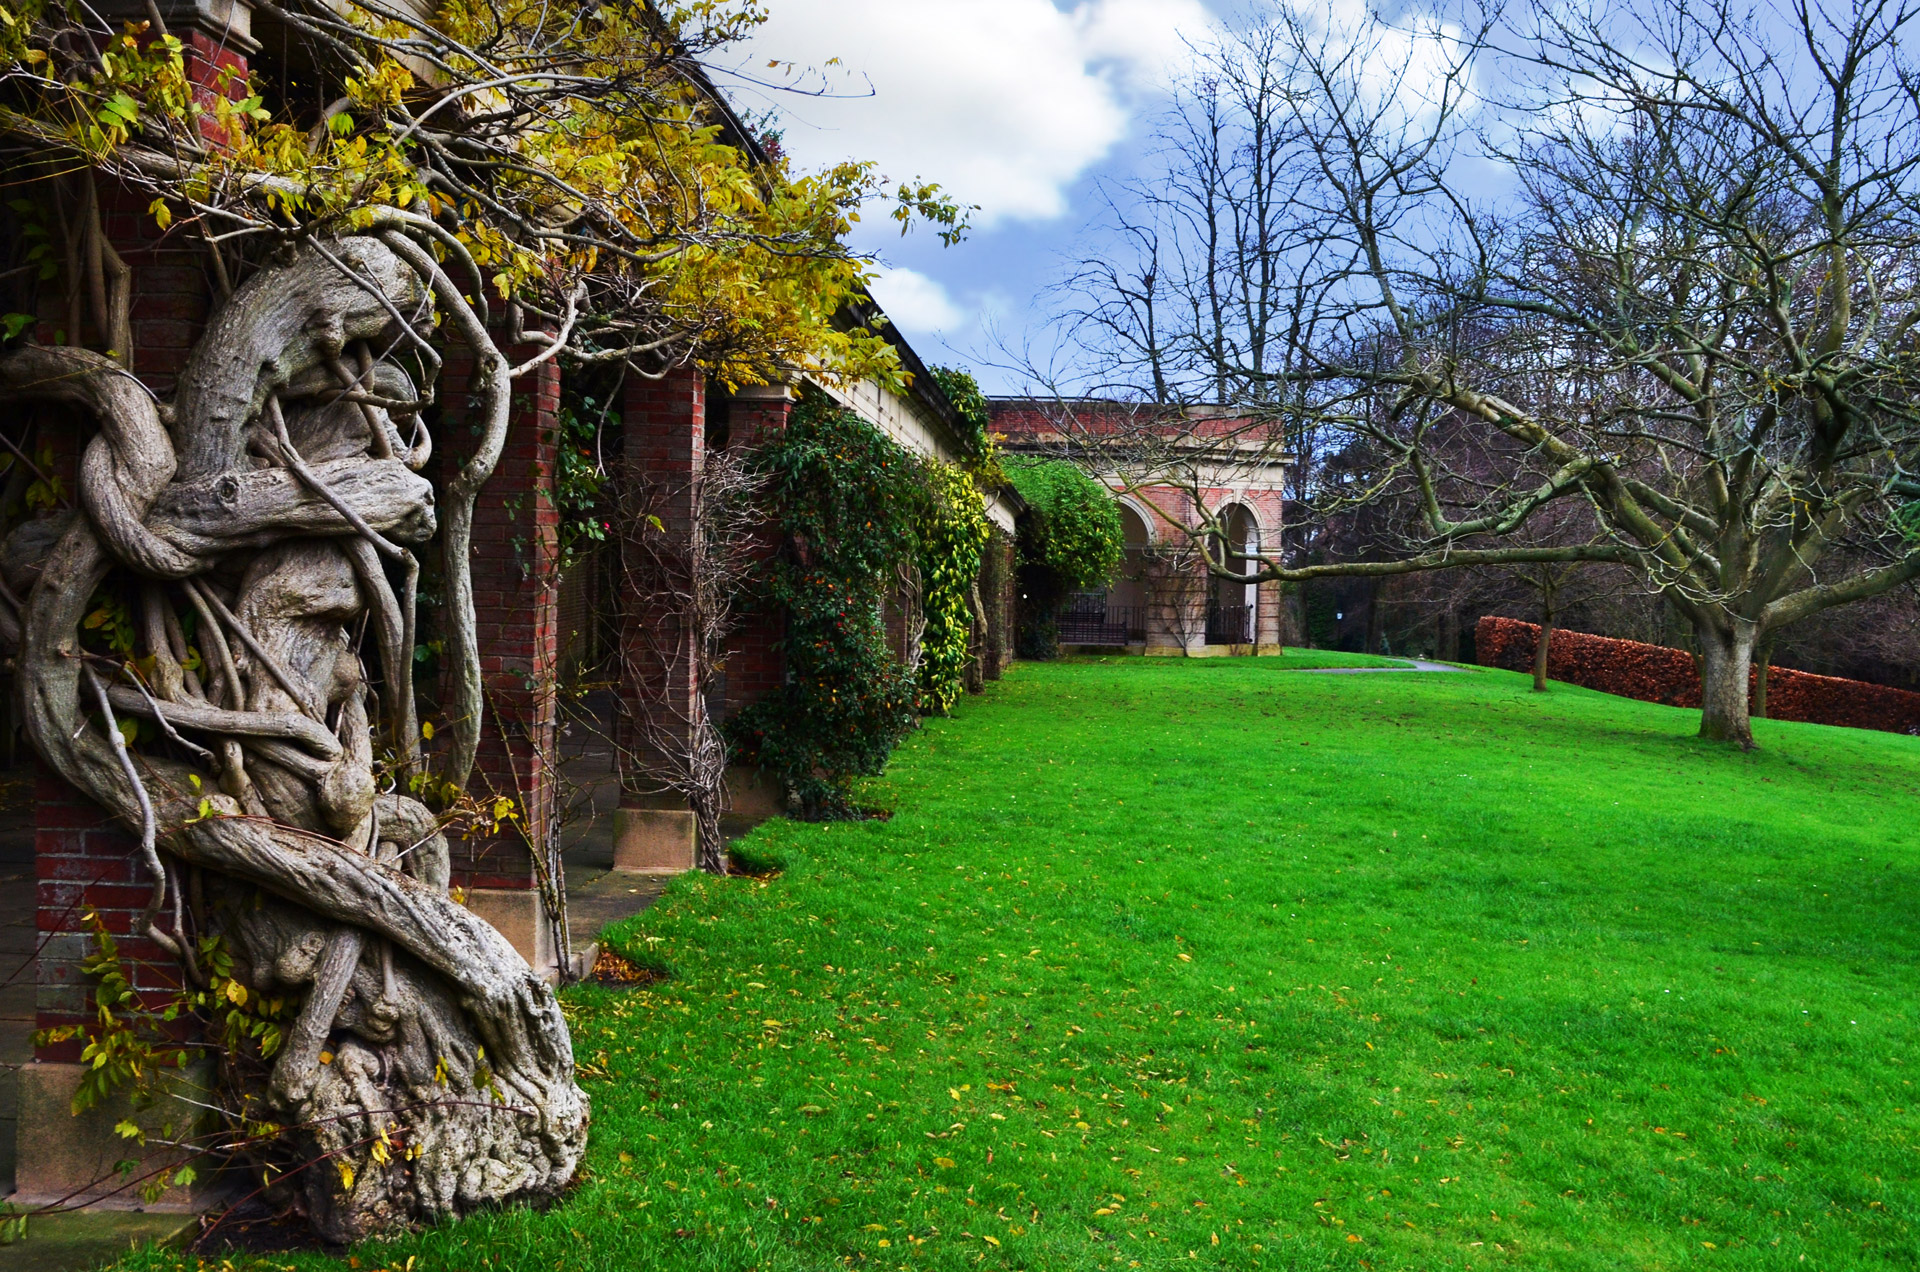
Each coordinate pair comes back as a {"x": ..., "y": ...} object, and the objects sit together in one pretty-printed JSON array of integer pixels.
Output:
[
  {"x": 653, "y": 841},
  {"x": 64, "y": 1157},
  {"x": 1264, "y": 650},
  {"x": 753, "y": 794},
  {"x": 516, "y": 913}
]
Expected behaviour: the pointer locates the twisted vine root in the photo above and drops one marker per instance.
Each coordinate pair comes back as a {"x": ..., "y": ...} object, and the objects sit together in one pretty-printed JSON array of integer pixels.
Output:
[{"x": 429, "y": 1069}]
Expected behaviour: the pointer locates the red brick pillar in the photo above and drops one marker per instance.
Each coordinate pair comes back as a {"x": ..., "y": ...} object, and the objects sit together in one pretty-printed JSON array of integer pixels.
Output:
[
  {"x": 84, "y": 865},
  {"x": 514, "y": 565},
  {"x": 665, "y": 429},
  {"x": 89, "y": 878},
  {"x": 755, "y": 412},
  {"x": 755, "y": 665}
]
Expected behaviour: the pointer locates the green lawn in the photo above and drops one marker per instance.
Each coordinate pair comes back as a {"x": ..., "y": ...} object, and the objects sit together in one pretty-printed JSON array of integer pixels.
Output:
[{"x": 1161, "y": 962}]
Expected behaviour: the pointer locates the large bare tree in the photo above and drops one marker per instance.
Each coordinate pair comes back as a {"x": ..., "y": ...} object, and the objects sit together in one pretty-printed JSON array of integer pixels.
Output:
[{"x": 1662, "y": 258}]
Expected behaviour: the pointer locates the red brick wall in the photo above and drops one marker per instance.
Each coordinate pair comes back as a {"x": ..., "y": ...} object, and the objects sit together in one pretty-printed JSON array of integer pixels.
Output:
[
  {"x": 665, "y": 427},
  {"x": 755, "y": 665},
  {"x": 515, "y": 574},
  {"x": 83, "y": 863},
  {"x": 1654, "y": 673}
]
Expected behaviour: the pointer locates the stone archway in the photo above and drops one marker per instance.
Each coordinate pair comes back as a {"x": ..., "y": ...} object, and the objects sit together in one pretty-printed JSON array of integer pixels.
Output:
[{"x": 1233, "y": 607}]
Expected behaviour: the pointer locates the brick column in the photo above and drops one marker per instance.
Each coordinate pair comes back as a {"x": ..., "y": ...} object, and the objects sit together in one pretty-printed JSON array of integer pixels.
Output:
[
  {"x": 996, "y": 594},
  {"x": 84, "y": 864},
  {"x": 664, "y": 425},
  {"x": 756, "y": 665},
  {"x": 1270, "y": 624},
  {"x": 514, "y": 565}
]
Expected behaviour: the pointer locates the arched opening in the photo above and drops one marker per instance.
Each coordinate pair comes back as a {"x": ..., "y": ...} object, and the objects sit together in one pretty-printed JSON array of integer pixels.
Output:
[
  {"x": 1127, "y": 590},
  {"x": 1231, "y": 606},
  {"x": 1114, "y": 614}
]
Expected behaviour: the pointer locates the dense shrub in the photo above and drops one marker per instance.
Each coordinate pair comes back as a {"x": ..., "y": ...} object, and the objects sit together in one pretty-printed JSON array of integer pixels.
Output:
[
  {"x": 849, "y": 503},
  {"x": 1654, "y": 673}
]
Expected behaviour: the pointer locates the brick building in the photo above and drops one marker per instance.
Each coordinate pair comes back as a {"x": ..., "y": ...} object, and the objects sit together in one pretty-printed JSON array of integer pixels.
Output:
[
  {"x": 1164, "y": 600},
  {"x": 83, "y": 865}
]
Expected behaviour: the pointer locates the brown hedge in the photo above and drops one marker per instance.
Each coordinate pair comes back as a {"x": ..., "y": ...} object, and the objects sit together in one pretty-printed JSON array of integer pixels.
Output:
[{"x": 1654, "y": 673}]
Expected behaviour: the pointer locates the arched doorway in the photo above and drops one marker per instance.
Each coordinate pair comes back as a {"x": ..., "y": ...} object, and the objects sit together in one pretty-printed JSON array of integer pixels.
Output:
[
  {"x": 1116, "y": 613},
  {"x": 1232, "y": 607},
  {"x": 1128, "y": 589}
]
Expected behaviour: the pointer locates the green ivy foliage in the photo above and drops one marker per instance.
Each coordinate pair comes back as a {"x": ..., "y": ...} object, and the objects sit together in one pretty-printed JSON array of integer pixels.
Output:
[
  {"x": 1907, "y": 516},
  {"x": 849, "y": 503},
  {"x": 1072, "y": 528},
  {"x": 578, "y": 482},
  {"x": 952, "y": 535},
  {"x": 976, "y": 420}
]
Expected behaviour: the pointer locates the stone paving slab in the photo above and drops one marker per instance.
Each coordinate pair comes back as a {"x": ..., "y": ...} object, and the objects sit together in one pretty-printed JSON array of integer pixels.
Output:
[{"x": 1415, "y": 664}]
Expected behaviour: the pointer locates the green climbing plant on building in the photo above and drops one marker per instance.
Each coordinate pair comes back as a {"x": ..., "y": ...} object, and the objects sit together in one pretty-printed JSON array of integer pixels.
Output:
[{"x": 952, "y": 535}]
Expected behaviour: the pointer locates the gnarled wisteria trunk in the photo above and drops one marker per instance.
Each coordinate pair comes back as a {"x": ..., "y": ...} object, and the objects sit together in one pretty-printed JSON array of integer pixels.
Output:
[{"x": 263, "y": 531}]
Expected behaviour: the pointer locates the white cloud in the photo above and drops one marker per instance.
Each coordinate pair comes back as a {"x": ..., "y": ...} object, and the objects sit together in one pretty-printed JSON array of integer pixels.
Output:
[
  {"x": 1004, "y": 102},
  {"x": 916, "y": 302}
]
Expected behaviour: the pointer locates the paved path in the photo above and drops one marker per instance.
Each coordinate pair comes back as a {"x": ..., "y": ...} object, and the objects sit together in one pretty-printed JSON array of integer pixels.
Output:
[{"x": 1419, "y": 664}]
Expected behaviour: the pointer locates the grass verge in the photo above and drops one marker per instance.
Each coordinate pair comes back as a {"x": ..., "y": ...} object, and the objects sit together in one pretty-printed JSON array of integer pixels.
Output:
[{"x": 1165, "y": 964}]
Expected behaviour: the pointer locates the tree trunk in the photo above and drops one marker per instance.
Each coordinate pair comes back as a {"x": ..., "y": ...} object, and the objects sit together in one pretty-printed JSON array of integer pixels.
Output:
[
  {"x": 1763, "y": 665},
  {"x": 1726, "y": 658},
  {"x": 427, "y": 1071},
  {"x": 1376, "y": 618},
  {"x": 1541, "y": 649}
]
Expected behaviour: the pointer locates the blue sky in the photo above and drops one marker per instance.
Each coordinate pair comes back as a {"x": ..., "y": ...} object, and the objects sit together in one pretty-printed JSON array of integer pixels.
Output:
[{"x": 1019, "y": 106}]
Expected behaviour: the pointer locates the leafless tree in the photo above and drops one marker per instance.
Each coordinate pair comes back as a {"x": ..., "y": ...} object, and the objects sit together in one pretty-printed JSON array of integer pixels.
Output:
[
  {"x": 1688, "y": 303},
  {"x": 687, "y": 547}
]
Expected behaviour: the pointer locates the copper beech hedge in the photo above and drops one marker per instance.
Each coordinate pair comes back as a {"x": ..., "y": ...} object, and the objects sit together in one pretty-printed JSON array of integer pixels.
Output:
[{"x": 1654, "y": 673}]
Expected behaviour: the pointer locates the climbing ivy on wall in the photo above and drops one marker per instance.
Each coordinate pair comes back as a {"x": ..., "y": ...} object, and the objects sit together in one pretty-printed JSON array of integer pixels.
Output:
[
  {"x": 952, "y": 535},
  {"x": 1072, "y": 527},
  {"x": 970, "y": 409},
  {"x": 849, "y": 504},
  {"x": 1070, "y": 538}
]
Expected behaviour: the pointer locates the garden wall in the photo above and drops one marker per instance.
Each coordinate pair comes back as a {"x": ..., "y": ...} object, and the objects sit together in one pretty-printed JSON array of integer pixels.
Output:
[{"x": 1654, "y": 673}]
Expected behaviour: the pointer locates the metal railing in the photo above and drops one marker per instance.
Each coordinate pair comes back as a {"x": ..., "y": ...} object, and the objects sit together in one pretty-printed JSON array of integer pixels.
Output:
[
  {"x": 1230, "y": 625},
  {"x": 1091, "y": 621}
]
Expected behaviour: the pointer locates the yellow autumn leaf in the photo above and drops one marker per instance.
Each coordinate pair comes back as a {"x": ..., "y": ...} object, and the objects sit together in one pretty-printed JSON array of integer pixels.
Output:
[
  {"x": 236, "y": 993},
  {"x": 346, "y": 1173},
  {"x": 426, "y": 730},
  {"x": 990, "y": 1240},
  {"x": 944, "y": 1163}
]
